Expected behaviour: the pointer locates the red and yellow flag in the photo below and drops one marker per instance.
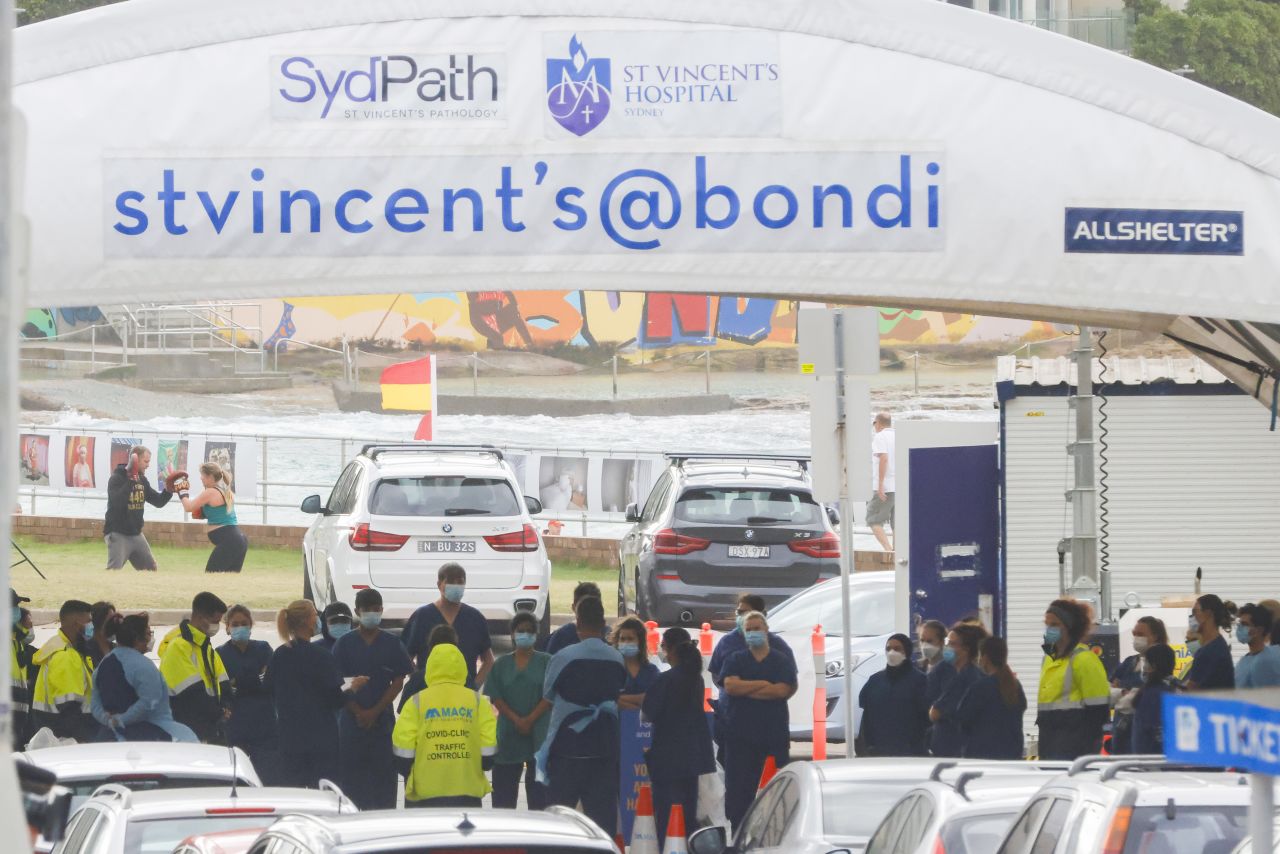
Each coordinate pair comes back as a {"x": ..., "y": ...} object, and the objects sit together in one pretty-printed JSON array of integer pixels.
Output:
[{"x": 411, "y": 387}]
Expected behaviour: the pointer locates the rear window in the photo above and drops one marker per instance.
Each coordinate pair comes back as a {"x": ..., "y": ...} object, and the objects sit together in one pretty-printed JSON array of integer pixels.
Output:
[
  {"x": 1191, "y": 830},
  {"x": 82, "y": 789},
  {"x": 976, "y": 834},
  {"x": 443, "y": 496},
  {"x": 161, "y": 836},
  {"x": 874, "y": 800},
  {"x": 728, "y": 506}
]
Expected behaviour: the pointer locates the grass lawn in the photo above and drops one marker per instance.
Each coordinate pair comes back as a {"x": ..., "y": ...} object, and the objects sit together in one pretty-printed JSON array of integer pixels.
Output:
[{"x": 271, "y": 578}]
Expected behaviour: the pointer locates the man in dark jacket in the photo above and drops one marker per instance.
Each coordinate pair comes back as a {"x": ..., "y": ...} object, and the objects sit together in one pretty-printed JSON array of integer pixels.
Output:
[{"x": 127, "y": 493}]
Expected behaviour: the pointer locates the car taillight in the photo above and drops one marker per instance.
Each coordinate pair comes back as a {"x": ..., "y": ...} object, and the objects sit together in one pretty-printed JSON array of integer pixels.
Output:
[
  {"x": 938, "y": 847},
  {"x": 668, "y": 542},
  {"x": 365, "y": 539},
  {"x": 828, "y": 545},
  {"x": 1118, "y": 832},
  {"x": 524, "y": 540}
]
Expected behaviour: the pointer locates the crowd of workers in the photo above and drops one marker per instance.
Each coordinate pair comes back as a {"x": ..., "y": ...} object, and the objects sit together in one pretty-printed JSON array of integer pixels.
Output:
[{"x": 320, "y": 705}]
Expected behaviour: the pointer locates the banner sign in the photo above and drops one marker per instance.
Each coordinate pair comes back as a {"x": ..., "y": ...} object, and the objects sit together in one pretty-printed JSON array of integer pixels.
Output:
[
  {"x": 1155, "y": 232},
  {"x": 1235, "y": 729},
  {"x": 636, "y": 735}
]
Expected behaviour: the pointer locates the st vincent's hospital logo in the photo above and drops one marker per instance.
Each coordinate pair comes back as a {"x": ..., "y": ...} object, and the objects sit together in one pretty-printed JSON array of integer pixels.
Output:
[{"x": 579, "y": 90}]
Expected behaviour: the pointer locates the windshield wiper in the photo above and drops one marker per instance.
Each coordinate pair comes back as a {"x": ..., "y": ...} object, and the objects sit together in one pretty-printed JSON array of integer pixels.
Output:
[{"x": 465, "y": 511}]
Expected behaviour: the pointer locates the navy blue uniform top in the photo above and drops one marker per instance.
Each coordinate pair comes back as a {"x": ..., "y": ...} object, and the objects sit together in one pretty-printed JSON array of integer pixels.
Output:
[
  {"x": 470, "y": 624},
  {"x": 733, "y": 642},
  {"x": 586, "y": 681},
  {"x": 643, "y": 680},
  {"x": 680, "y": 746},
  {"x": 764, "y": 721},
  {"x": 383, "y": 661},
  {"x": 566, "y": 635},
  {"x": 253, "y": 715},
  {"x": 992, "y": 729},
  {"x": 895, "y": 716},
  {"x": 1212, "y": 666},
  {"x": 946, "y": 738},
  {"x": 325, "y": 642},
  {"x": 1127, "y": 675},
  {"x": 1148, "y": 719},
  {"x": 304, "y": 682},
  {"x": 937, "y": 680}
]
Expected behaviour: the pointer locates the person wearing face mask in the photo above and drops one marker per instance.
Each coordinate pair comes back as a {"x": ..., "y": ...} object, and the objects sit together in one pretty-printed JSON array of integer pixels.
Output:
[
  {"x": 99, "y": 635},
  {"x": 130, "y": 699},
  {"x": 568, "y": 633},
  {"x": 895, "y": 716},
  {"x": 990, "y": 712},
  {"x": 61, "y": 696},
  {"x": 1211, "y": 663},
  {"x": 1074, "y": 699},
  {"x": 728, "y": 644},
  {"x": 193, "y": 670},
  {"x": 252, "y": 725},
  {"x": 1148, "y": 706},
  {"x": 629, "y": 639},
  {"x": 1128, "y": 677},
  {"x": 335, "y": 622},
  {"x": 514, "y": 687},
  {"x": 933, "y": 637},
  {"x": 1260, "y": 667},
  {"x": 417, "y": 680},
  {"x": 20, "y": 654},
  {"x": 760, "y": 680},
  {"x": 947, "y": 738},
  {"x": 364, "y": 726},
  {"x": 449, "y": 609},
  {"x": 306, "y": 690}
]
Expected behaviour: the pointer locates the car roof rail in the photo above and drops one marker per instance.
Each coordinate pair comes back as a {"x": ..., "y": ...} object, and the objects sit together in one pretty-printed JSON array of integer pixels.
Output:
[
  {"x": 1149, "y": 763},
  {"x": 578, "y": 818},
  {"x": 936, "y": 774},
  {"x": 963, "y": 779},
  {"x": 374, "y": 450},
  {"x": 801, "y": 462},
  {"x": 330, "y": 786},
  {"x": 1085, "y": 763},
  {"x": 122, "y": 793}
]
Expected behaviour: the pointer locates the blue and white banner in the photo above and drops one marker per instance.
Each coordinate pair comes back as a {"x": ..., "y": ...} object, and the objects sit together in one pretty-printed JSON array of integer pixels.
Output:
[
  {"x": 1230, "y": 729},
  {"x": 1141, "y": 231}
]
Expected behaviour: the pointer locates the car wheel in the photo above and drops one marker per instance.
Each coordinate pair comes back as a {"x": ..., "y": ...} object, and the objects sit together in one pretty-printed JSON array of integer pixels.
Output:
[
  {"x": 306, "y": 583},
  {"x": 643, "y": 609},
  {"x": 544, "y": 625}
]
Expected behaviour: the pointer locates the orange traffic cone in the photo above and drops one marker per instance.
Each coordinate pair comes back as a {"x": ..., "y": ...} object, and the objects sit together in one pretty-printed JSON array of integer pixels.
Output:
[
  {"x": 770, "y": 768},
  {"x": 644, "y": 831},
  {"x": 676, "y": 842}
]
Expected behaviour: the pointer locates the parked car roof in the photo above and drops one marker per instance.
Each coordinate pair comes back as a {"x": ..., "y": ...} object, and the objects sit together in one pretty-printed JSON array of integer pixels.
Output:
[
  {"x": 110, "y": 759},
  {"x": 280, "y": 801}
]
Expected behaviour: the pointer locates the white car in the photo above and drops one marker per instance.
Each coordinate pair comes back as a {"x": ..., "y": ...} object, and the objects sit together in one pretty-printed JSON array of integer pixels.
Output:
[{"x": 399, "y": 512}]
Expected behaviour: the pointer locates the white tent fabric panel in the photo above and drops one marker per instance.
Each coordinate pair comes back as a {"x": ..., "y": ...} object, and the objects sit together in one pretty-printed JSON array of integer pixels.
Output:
[{"x": 1192, "y": 482}]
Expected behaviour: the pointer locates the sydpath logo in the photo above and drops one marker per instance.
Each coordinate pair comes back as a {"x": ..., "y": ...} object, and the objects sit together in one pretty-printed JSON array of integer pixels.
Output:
[{"x": 579, "y": 89}]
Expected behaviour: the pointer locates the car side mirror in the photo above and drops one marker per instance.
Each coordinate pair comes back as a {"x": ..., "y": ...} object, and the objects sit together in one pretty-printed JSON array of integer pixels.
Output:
[
  {"x": 833, "y": 515},
  {"x": 533, "y": 505},
  {"x": 633, "y": 513},
  {"x": 709, "y": 840},
  {"x": 311, "y": 504}
]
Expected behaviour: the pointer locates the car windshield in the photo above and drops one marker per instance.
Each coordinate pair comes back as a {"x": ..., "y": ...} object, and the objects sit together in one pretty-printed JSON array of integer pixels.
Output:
[
  {"x": 871, "y": 611},
  {"x": 874, "y": 799},
  {"x": 727, "y": 506},
  {"x": 443, "y": 496},
  {"x": 1190, "y": 830},
  {"x": 162, "y": 835},
  {"x": 976, "y": 834},
  {"x": 81, "y": 790}
]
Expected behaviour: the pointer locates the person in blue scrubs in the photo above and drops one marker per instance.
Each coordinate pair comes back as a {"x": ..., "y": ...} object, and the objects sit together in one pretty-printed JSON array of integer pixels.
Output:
[
  {"x": 680, "y": 748},
  {"x": 1127, "y": 678},
  {"x": 449, "y": 609},
  {"x": 365, "y": 724},
  {"x": 252, "y": 725},
  {"x": 335, "y": 622},
  {"x": 990, "y": 712},
  {"x": 728, "y": 644},
  {"x": 1211, "y": 663},
  {"x": 895, "y": 714},
  {"x": 961, "y": 652},
  {"x": 1148, "y": 706},
  {"x": 567, "y": 635},
  {"x": 1260, "y": 667},
  {"x": 629, "y": 639},
  {"x": 760, "y": 680},
  {"x": 579, "y": 759},
  {"x": 307, "y": 690}
]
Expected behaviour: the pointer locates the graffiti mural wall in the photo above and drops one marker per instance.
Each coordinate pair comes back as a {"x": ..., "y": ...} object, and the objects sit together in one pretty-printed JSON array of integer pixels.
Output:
[{"x": 495, "y": 320}]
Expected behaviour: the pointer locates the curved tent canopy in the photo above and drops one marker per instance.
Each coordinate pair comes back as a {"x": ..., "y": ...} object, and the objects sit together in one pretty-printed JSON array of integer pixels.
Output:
[{"x": 862, "y": 151}]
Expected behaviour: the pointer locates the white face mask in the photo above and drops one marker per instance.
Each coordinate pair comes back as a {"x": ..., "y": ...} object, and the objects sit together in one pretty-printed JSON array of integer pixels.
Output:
[
  {"x": 1141, "y": 644},
  {"x": 930, "y": 651},
  {"x": 895, "y": 658}
]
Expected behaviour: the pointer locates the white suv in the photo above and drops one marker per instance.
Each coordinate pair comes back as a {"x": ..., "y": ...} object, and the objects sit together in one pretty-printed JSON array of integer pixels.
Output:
[{"x": 399, "y": 512}]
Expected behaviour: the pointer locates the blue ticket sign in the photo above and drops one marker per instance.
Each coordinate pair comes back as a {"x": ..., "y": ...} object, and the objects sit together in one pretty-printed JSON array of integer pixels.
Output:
[{"x": 1238, "y": 729}]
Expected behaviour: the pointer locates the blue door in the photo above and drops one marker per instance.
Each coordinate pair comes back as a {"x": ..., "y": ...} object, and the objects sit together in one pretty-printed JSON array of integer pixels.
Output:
[{"x": 955, "y": 534}]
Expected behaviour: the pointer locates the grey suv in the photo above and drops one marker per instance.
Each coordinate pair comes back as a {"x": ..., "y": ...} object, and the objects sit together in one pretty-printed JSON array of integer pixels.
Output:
[{"x": 715, "y": 525}]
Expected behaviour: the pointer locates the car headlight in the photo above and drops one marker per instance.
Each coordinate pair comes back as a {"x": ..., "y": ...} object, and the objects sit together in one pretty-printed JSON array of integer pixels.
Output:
[{"x": 835, "y": 667}]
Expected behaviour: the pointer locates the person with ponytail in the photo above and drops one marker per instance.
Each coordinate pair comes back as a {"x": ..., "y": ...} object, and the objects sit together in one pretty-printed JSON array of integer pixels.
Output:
[
  {"x": 1212, "y": 665},
  {"x": 216, "y": 504},
  {"x": 895, "y": 713},
  {"x": 252, "y": 725},
  {"x": 307, "y": 690},
  {"x": 680, "y": 750},
  {"x": 990, "y": 713},
  {"x": 964, "y": 643},
  {"x": 1074, "y": 699}
]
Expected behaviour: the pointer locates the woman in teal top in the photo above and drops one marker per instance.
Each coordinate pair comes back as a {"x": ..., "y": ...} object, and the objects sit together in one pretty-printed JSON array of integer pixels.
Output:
[
  {"x": 515, "y": 687},
  {"x": 216, "y": 504}
]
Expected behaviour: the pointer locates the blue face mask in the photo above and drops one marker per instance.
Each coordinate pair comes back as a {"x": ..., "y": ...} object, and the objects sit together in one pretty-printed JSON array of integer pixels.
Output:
[
  {"x": 88, "y": 631},
  {"x": 337, "y": 630},
  {"x": 1242, "y": 633},
  {"x": 240, "y": 634},
  {"x": 370, "y": 619},
  {"x": 948, "y": 655},
  {"x": 740, "y": 619},
  {"x": 629, "y": 650},
  {"x": 524, "y": 640},
  {"x": 1193, "y": 646},
  {"x": 453, "y": 592},
  {"x": 1052, "y": 634},
  {"x": 755, "y": 639}
]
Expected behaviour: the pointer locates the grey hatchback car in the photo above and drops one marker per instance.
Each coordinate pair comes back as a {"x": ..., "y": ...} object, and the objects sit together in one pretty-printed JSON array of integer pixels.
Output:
[{"x": 716, "y": 525}]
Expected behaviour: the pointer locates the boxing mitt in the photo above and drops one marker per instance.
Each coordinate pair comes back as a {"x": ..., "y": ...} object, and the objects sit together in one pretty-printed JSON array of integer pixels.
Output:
[{"x": 177, "y": 481}]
